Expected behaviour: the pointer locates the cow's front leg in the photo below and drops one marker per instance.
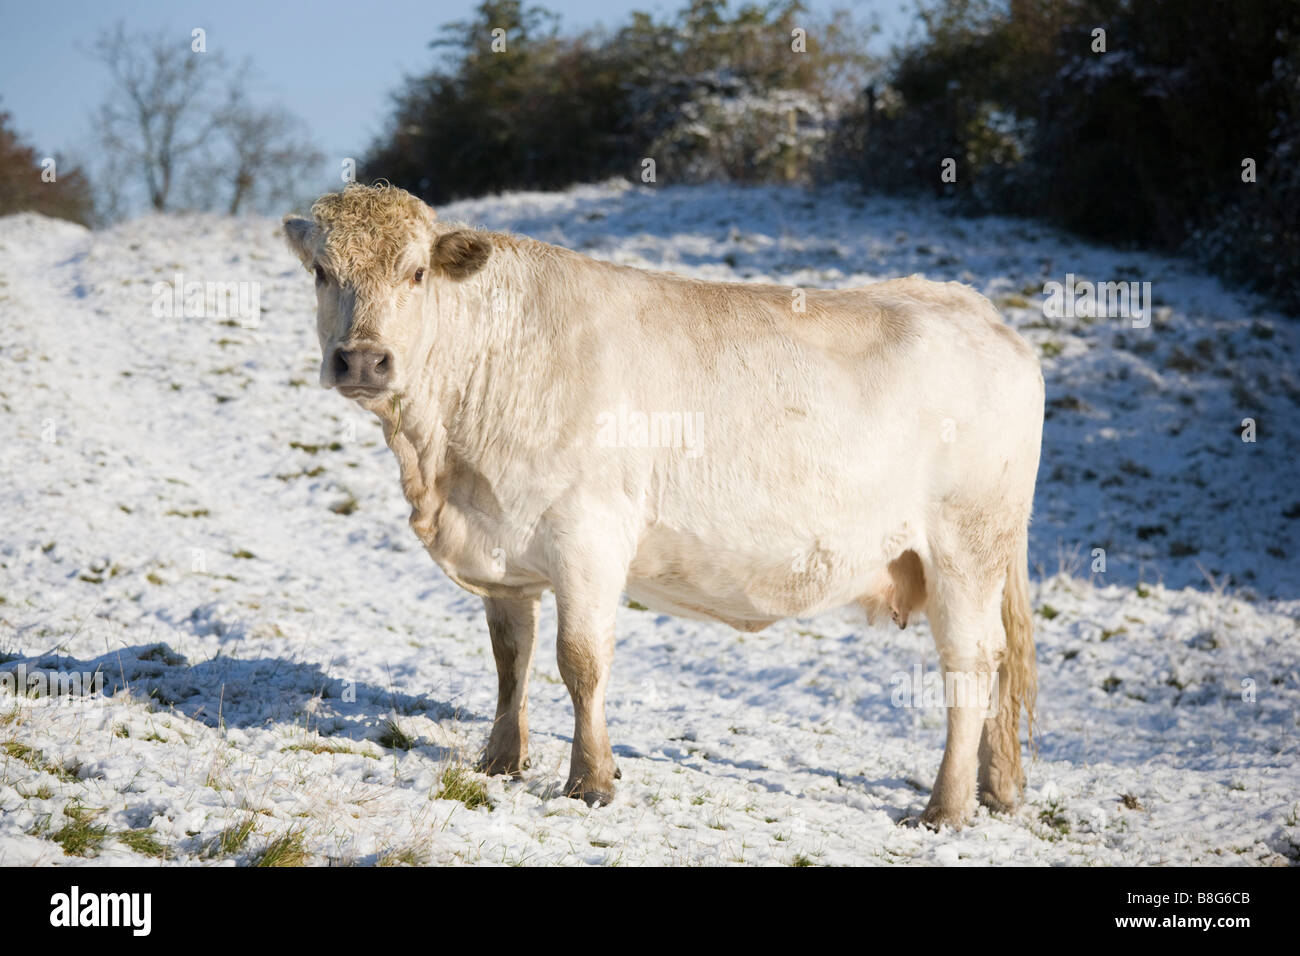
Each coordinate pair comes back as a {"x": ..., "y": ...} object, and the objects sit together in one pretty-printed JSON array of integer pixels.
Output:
[
  {"x": 586, "y": 602},
  {"x": 512, "y": 623}
]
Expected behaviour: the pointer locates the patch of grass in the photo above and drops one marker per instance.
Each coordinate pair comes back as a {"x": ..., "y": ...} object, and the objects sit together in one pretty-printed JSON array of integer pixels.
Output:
[
  {"x": 1180, "y": 361},
  {"x": 1130, "y": 802},
  {"x": 637, "y": 606},
  {"x": 1108, "y": 633},
  {"x": 161, "y": 654},
  {"x": 344, "y": 507},
  {"x": 315, "y": 449},
  {"x": 36, "y": 760},
  {"x": 241, "y": 553},
  {"x": 192, "y": 513},
  {"x": 215, "y": 778},
  {"x": 1051, "y": 349},
  {"x": 801, "y": 860},
  {"x": 394, "y": 737},
  {"x": 1110, "y": 683},
  {"x": 143, "y": 841},
  {"x": 323, "y": 746},
  {"x": 1068, "y": 403},
  {"x": 1053, "y": 816},
  {"x": 1048, "y": 612},
  {"x": 230, "y": 840},
  {"x": 304, "y": 473},
  {"x": 287, "y": 850},
  {"x": 79, "y": 836},
  {"x": 410, "y": 855},
  {"x": 459, "y": 784}
]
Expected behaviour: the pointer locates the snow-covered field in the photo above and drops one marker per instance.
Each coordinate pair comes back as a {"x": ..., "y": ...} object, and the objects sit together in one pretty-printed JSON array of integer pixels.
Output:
[{"x": 293, "y": 679}]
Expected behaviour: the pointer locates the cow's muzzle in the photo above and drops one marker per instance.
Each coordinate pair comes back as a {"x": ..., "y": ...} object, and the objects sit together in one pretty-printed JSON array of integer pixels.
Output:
[{"x": 362, "y": 369}]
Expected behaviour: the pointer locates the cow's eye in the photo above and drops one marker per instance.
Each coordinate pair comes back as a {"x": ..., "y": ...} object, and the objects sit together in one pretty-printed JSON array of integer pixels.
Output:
[
  {"x": 320, "y": 275},
  {"x": 419, "y": 274}
]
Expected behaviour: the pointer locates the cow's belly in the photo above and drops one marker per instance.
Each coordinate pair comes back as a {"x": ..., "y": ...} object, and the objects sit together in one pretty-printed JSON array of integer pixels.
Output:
[
  {"x": 749, "y": 534},
  {"x": 750, "y": 587}
]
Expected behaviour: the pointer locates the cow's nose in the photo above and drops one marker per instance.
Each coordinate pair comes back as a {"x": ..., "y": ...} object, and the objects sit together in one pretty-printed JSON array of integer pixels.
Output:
[{"x": 362, "y": 368}]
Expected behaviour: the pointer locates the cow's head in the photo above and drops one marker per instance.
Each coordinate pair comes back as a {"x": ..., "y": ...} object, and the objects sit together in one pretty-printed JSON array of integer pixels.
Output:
[{"x": 377, "y": 254}]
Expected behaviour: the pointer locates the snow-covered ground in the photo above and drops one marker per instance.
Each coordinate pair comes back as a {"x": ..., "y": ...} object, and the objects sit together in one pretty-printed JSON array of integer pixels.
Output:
[{"x": 184, "y": 510}]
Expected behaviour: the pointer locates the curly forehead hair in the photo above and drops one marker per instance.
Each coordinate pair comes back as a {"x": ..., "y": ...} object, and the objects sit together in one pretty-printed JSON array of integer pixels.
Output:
[{"x": 365, "y": 227}]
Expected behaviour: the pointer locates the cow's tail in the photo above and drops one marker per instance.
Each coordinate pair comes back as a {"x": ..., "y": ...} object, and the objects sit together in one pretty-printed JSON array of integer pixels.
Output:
[{"x": 1019, "y": 670}]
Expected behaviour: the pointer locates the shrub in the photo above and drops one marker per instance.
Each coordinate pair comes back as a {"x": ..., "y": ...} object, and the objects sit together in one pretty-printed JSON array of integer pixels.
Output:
[{"x": 22, "y": 188}]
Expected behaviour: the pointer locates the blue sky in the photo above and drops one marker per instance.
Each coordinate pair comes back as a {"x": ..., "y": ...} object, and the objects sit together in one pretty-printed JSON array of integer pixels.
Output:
[{"x": 332, "y": 64}]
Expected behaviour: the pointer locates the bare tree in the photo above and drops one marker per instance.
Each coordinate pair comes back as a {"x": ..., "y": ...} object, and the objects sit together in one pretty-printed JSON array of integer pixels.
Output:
[
  {"x": 182, "y": 125},
  {"x": 159, "y": 113},
  {"x": 269, "y": 152}
]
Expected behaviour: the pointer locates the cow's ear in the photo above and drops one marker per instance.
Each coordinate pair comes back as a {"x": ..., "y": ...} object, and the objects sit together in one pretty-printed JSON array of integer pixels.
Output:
[
  {"x": 298, "y": 233},
  {"x": 460, "y": 254}
]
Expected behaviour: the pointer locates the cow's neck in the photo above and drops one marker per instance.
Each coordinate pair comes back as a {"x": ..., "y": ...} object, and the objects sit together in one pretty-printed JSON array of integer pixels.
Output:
[
  {"x": 444, "y": 419},
  {"x": 419, "y": 447}
]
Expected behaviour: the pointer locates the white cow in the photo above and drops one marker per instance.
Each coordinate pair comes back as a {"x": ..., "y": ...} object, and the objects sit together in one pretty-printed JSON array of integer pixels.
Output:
[{"x": 875, "y": 445}]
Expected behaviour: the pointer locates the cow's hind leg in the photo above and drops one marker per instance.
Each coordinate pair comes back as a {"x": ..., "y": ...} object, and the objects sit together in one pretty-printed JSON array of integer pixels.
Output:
[
  {"x": 965, "y": 616},
  {"x": 1000, "y": 775},
  {"x": 512, "y": 623}
]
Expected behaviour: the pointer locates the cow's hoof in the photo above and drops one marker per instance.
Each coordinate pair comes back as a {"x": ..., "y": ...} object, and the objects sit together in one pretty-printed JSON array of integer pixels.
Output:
[
  {"x": 496, "y": 765},
  {"x": 592, "y": 796},
  {"x": 998, "y": 804},
  {"x": 935, "y": 817}
]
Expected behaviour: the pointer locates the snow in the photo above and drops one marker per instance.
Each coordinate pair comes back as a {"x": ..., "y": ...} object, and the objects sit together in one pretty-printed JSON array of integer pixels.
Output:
[{"x": 187, "y": 512}]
